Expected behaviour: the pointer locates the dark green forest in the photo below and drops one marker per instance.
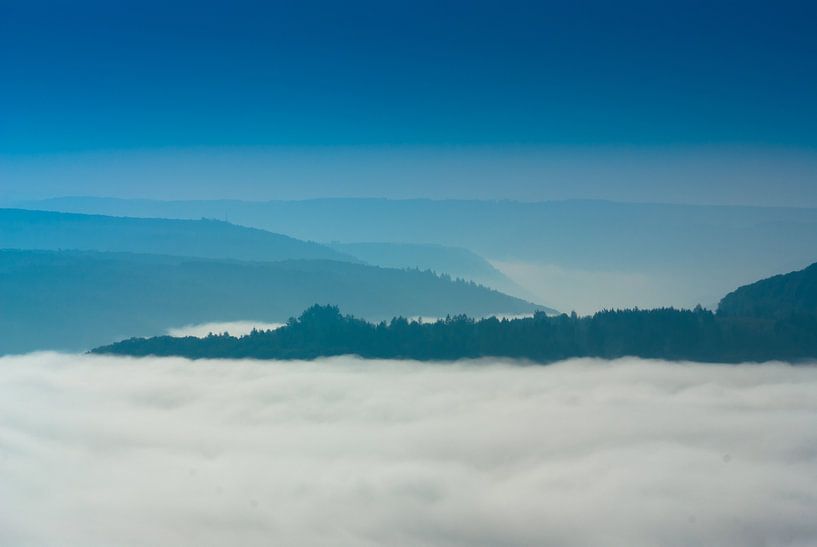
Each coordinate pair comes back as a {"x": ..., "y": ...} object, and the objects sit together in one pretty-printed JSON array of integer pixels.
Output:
[
  {"x": 772, "y": 319},
  {"x": 696, "y": 335},
  {"x": 777, "y": 297}
]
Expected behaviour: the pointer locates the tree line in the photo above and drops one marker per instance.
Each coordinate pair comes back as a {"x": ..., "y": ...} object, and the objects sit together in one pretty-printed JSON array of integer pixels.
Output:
[{"x": 665, "y": 333}]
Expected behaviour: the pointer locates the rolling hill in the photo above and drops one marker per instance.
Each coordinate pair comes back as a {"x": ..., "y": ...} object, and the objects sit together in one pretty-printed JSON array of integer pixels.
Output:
[
  {"x": 457, "y": 262},
  {"x": 777, "y": 297},
  {"x": 205, "y": 238},
  {"x": 73, "y": 300},
  {"x": 583, "y": 253},
  {"x": 559, "y": 232},
  {"x": 773, "y": 319}
]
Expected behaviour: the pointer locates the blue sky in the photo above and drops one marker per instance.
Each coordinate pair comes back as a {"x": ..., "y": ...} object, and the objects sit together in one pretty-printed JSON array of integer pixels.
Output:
[{"x": 129, "y": 77}]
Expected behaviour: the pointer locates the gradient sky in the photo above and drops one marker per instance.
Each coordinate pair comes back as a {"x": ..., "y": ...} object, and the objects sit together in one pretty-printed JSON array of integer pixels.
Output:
[{"x": 95, "y": 81}]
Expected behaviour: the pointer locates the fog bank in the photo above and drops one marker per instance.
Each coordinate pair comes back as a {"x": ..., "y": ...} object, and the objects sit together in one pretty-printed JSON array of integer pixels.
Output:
[{"x": 100, "y": 451}]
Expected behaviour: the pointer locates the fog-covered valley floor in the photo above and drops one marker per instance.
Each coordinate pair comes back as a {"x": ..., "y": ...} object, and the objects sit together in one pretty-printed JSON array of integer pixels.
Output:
[{"x": 101, "y": 451}]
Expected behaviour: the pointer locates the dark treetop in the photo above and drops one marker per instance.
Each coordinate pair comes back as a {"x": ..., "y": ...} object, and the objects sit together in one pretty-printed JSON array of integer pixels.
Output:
[{"x": 698, "y": 335}]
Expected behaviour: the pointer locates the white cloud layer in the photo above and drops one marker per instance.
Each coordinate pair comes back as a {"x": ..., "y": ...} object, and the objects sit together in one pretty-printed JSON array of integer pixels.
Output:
[
  {"x": 235, "y": 328},
  {"x": 101, "y": 451}
]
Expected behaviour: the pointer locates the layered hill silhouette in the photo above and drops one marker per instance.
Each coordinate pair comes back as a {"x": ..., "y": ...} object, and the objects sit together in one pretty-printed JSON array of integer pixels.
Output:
[
  {"x": 772, "y": 319},
  {"x": 209, "y": 238},
  {"x": 777, "y": 297},
  {"x": 457, "y": 262},
  {"x": 74, "y": 300},
  {"x": 205, "y": 238},
  {"x": 581, "y": 233},
  {"x": 676, "y": 254}
]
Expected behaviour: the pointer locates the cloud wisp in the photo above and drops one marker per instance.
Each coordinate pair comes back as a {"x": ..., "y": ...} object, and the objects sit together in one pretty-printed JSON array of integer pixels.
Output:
[
  {"x": 99, "y": 451},
  {"x": 234, "y": 328}
]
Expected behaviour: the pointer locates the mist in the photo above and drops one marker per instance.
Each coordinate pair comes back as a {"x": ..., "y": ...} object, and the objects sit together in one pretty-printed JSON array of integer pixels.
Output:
[
  {"x": 589, "y": 291},
  {"x": 726, "y": 175},
  {"x": 99, "y": 451},
  {"x": 233, "y": 328}
]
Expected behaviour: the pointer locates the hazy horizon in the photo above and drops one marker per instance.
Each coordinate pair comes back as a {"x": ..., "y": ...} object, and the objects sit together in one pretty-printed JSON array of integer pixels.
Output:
[
  {"x": 572, "y": 255},
  {"x": 690, "y": 102},
  {"x": 701, "y": 175},
  {"x": 32, "y": 203}
]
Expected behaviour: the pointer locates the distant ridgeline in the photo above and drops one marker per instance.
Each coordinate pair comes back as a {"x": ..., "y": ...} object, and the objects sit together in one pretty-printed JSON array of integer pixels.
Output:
[
  {"x": 208, "y": 238},
  {"x": 75, "y": 300},
  {"x": 773, "y": 319},
  {"x": 72, "y": 281}
]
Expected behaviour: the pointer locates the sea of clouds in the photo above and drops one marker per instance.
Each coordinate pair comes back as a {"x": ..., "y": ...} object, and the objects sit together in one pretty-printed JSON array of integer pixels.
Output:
[{"x": 102, "y": 451}]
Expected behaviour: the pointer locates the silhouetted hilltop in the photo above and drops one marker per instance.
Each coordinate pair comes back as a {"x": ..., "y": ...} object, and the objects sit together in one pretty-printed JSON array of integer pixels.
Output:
[
  {"x": 590, "y": 234},
  {"x": 454, "y": 261},
  {"x": 696, "y": 335},
  {"x": 777, "y": 297},
  {"x": 679, "y": 254},
  {"x": 205, "y": 238},
  {"x": 322, "y": 331},
  {"x": 76, "y": 300},
  {"x": 209, "y": 238}
]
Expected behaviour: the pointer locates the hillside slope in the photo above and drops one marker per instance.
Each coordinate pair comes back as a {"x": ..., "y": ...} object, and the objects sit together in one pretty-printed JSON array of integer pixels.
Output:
[
  {"x": 44, "y": 230},
  {"x": 584, "y": 255},
  {"x": 774, "y": 319},
  {"x": 75, "y": 300},
  {"x": 457, "y": 262},
  {"x": 580, "y": 233},
  {"x": 780, "y": 296}
]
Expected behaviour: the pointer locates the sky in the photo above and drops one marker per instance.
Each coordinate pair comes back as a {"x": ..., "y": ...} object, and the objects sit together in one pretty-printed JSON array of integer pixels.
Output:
[{"x": 143, "y": 86}]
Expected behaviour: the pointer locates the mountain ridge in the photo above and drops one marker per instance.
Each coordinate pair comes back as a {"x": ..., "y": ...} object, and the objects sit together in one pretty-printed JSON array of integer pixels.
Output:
[
  {"x": 205, "y": 238},
  {"x": 551, "y": 248},
  {"x": 74, "y": 300}
]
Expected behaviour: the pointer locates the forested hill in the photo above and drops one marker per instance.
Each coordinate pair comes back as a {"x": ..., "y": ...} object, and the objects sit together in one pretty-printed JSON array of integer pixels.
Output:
[
  {"x": 696, "y": 335},
  {"x": 43, "y": 230},
  {"x": 77, "y": 300},
  {"x": 777, "y": 297},
  {"x": 773, "y": 319}
]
